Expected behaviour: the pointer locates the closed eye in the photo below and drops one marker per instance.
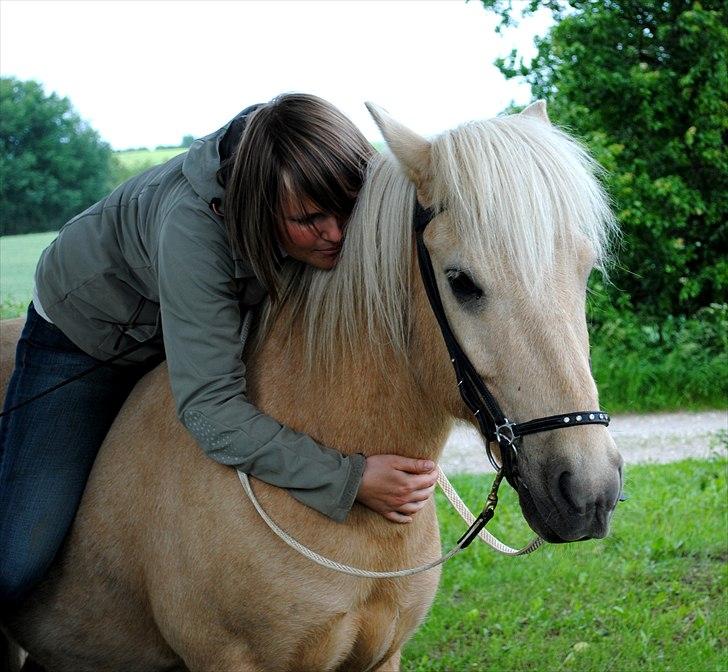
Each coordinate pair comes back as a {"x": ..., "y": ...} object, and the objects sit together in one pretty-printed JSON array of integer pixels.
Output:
[
  {"x": 462, "y": 286},
  {"x": 309, "y": 219}
]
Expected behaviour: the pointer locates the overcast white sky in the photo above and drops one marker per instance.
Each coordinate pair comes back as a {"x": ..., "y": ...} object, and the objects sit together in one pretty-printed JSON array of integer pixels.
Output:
[{"x": 146, "y": 73}]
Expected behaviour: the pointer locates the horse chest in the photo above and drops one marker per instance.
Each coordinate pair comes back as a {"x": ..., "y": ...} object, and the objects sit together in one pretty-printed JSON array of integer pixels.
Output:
[{"x": 377, "y": 623}]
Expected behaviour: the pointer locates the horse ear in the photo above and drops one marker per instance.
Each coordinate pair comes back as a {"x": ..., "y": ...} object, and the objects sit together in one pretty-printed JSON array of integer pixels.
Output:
[
  {"x": 537, "y": 110},
  {"x": 411, "y": 150}
]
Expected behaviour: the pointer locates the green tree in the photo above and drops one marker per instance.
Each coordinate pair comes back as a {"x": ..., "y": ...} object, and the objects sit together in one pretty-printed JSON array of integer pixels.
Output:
[
  {"x": 187, "y": 140},
  {"x": 645, "y": 84},
  {"x": 52, "y": 164}
]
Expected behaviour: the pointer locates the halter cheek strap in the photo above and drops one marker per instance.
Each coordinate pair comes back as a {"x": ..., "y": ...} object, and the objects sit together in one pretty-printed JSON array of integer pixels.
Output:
[{"x": 493, "y": 423}]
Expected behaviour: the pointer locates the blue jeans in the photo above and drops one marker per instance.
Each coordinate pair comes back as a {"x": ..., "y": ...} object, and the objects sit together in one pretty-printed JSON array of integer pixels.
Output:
[{"x": 47, "y": 448}]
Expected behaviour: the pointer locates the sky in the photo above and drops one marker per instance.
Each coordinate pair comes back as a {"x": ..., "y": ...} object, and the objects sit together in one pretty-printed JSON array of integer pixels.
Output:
[{"x": 148, "y": 72}]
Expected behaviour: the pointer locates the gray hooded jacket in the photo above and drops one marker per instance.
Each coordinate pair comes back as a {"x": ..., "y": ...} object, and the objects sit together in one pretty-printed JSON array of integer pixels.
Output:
[{"x": 153, "y": 253}]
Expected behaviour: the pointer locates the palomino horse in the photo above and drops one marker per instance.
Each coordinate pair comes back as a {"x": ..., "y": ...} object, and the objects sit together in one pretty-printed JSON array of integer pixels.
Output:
[{"x": 168, "y": 566}]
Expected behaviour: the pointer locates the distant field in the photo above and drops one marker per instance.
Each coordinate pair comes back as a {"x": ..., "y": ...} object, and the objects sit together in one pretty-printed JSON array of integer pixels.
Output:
[
  {"x": 128, "y": 164},
  {"x": 140, "y": 159},
  {"x": 18, "y": 258}
]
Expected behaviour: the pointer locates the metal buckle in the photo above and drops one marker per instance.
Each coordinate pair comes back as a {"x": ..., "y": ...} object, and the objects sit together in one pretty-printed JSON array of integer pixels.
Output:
[{"x": 504, "y": 433}]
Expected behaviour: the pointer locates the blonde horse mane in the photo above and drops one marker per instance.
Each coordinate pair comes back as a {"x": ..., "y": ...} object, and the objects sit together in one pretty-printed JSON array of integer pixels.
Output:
[{"x": 514, "y": 188}]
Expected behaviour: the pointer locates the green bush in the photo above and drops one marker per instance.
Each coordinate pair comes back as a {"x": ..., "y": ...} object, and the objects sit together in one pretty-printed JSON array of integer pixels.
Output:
[
  {"x": 679, "y": 363},
  {"x": 53, "y": 165}
]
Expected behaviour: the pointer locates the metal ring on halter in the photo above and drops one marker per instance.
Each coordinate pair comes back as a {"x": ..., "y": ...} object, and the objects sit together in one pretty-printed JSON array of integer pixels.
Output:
[{"x": 505, "y": 433}]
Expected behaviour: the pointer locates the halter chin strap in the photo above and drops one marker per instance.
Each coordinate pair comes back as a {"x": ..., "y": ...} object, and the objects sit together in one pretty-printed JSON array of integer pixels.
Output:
[{"x": 494, "y": 425}]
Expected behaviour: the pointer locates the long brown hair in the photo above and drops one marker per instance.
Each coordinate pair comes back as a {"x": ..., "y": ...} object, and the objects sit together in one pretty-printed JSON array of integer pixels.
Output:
[{"x": 299, "y": 146}]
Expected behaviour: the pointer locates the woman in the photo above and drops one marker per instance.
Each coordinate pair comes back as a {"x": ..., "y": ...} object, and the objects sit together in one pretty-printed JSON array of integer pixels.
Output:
[{"x": 169, "y": 265}]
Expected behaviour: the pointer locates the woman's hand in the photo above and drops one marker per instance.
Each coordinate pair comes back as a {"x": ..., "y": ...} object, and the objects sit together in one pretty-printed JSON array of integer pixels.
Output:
[{"x": 397, "y": 487}]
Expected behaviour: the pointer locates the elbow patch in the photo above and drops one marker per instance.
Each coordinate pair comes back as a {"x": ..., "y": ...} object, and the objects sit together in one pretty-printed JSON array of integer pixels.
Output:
[{"x": 210, "y": 437}]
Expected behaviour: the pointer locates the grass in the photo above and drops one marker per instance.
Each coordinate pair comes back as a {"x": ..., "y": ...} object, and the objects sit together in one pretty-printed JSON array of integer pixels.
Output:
[
  {"x": 18, "y": 258},
  {"x": 649, "y": 597},
  {"x": 686, "y": 377}
]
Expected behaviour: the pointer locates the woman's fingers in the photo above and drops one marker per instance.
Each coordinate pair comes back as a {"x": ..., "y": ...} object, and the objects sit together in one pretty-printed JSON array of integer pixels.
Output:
[
  {"x": 412, "y": 507},
  {"x": 413, "y": 466},
  {"x": 422, "y": 495}
]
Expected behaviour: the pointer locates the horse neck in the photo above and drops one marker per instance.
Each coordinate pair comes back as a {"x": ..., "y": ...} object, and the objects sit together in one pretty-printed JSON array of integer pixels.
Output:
[{"x": 373, "y": 403}]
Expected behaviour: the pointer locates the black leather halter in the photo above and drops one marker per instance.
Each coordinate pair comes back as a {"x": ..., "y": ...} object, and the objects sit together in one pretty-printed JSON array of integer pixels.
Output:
[{"x": 494, "y": 425}]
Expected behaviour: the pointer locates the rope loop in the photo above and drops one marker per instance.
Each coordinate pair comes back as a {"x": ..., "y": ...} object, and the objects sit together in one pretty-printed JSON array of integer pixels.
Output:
[{"x": 452, "y": 497}]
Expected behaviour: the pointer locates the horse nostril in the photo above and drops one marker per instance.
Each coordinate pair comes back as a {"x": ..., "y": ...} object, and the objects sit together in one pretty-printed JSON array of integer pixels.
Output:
[{"x": 566, "y": 491}]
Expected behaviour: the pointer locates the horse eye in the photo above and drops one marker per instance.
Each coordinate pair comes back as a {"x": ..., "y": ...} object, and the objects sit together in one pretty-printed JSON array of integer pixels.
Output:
[{"x": 462, "y": 286}]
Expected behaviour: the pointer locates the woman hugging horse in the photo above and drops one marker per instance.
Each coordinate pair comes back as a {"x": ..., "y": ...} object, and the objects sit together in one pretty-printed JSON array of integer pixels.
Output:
[
  {"x": 168, "y": 567},
  {"x": 169, "y": 266}
]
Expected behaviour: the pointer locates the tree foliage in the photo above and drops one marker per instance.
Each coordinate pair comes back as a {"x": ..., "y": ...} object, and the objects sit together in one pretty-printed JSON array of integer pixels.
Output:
[
  {"x": 52, "y": 164},
  {"x": 645, "y": 84}
]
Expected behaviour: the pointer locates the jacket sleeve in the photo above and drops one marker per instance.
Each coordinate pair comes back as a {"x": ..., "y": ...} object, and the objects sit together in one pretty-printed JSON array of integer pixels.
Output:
[{"x": 201, "y": 323}]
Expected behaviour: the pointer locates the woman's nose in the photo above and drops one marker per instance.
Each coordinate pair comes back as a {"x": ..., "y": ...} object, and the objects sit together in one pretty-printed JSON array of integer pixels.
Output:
[{"x": 331, "y": 229}]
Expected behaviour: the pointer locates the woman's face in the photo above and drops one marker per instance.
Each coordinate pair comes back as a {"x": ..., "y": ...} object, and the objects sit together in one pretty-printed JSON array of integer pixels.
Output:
[{"x": 309, "y": 235}]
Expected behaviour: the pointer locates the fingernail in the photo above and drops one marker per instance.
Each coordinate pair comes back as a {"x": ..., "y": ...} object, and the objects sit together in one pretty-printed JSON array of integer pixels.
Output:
[{"x": 429, "y": 465}]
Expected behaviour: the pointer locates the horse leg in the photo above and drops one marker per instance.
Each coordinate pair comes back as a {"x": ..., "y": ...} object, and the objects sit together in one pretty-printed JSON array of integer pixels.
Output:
[
  {"x": 392, "y": 663},
  {"x": 231, "y": 658}
]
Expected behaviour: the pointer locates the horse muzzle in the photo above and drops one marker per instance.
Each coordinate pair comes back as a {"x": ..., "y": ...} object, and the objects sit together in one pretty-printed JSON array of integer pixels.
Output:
[{"x": 571, "y": 498}]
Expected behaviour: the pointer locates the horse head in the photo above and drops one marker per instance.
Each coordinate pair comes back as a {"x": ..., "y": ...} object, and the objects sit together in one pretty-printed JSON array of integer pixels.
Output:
[{"x": 521, "y": 222}]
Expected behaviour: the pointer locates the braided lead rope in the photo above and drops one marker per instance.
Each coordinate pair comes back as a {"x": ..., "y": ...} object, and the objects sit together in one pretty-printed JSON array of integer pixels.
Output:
[
  {"x": 330, "y": 564},
  {"x": 468, "y": 517}
]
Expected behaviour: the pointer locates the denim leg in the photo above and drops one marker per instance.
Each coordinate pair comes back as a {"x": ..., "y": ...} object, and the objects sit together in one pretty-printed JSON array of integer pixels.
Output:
[{"x": 47, "y": 448}]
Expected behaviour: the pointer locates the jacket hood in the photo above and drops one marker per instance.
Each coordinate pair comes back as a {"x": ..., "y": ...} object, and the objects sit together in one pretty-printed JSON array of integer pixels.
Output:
[
  {"x": 202, "y": 161},
  {"x": 201, "y": 164}
]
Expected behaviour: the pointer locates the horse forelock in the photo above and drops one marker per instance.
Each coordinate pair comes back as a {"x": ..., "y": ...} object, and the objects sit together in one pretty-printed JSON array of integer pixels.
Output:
[{"x": 517, "y": 190}]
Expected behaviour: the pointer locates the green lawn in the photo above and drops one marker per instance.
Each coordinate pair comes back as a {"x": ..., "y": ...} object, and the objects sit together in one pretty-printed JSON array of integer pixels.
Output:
[
  {"x": 18, "y": 257},
  {"x": 649, "y": 597}
]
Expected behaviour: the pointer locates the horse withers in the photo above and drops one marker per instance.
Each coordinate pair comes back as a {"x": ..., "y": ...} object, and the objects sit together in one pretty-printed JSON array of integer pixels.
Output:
[{"x": 169, "y": 567}]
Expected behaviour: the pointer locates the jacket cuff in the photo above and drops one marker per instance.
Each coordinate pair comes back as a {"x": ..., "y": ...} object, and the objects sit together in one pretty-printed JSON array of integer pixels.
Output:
[{"x": 357, "y": 463}]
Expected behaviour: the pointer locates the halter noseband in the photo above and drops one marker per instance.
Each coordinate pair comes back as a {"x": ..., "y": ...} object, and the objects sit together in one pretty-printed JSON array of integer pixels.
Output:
[{"x": 494, "y": 425}]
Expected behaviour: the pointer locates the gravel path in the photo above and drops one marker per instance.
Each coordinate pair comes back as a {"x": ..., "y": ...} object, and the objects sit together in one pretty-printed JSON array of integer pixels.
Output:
[{"x": 659, "y": 437}]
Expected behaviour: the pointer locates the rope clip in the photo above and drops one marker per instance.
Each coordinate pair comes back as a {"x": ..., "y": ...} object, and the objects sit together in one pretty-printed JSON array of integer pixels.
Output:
[{"x": 485, "y": 515}]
